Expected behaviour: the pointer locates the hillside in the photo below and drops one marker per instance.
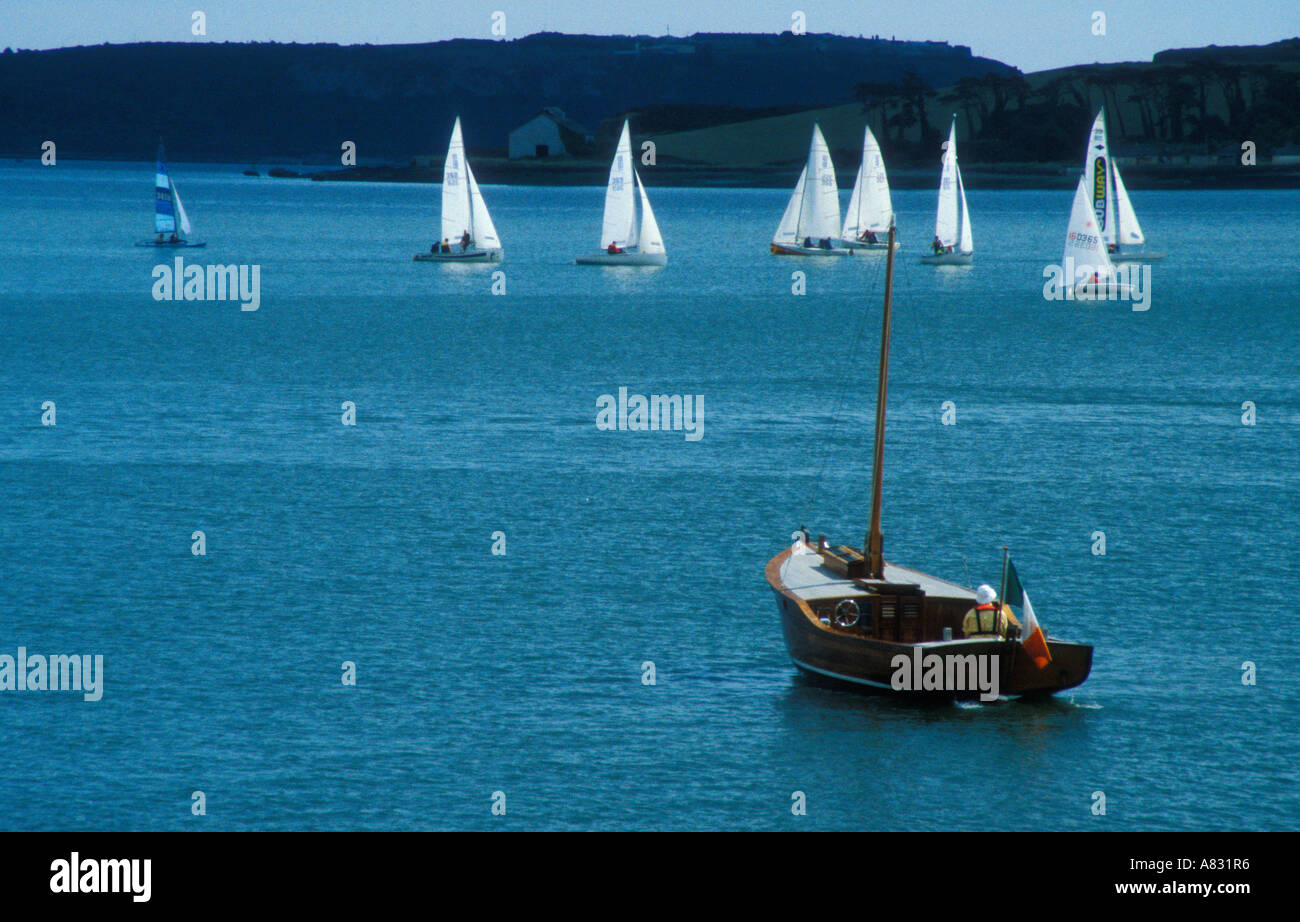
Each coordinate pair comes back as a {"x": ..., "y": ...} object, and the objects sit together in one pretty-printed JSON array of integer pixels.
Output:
[{"x": 251, "y": 102}]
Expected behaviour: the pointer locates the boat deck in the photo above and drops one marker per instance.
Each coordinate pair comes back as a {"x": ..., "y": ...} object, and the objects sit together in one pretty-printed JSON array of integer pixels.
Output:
[{"x": 808, "y": 578}]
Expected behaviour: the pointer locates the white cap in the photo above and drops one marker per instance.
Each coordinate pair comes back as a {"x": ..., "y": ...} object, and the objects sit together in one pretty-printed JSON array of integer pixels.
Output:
[{"x": 985, "y": 594}]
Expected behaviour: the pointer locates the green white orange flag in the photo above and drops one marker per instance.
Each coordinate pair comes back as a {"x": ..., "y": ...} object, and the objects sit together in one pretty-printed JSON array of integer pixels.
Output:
[{"x": 1031, "y": 635}]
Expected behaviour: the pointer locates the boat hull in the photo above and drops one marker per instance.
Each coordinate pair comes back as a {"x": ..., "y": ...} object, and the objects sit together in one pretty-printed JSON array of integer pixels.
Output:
[
  {"x": 862, "y": 663},
  {"x": 471, "y": 256},
  {"x": 786, "y": 249},
  {"x": 622, "y": 259},
  {"x": 168, "y": 245},
  {"x": 948, "y": 259},
  {"x": 1135, "y": 257},
  {"x": 859, "y": 245}
]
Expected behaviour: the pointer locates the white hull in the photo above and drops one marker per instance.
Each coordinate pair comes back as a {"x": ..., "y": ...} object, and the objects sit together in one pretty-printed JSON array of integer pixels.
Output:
[
  {"x": 790, "y": 249},
  {"x": 1101, "y": 291},
  {"x": 622, "y": 259},
  {"x": 859, "y": 245},
  {"x": 1134, "y": 256},
  {"x": 948, "y": 259},
  {"x": 471, "y": 256}
]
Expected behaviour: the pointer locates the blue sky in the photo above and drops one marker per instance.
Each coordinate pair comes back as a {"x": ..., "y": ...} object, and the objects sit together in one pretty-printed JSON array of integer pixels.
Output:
[{"x": 1030, "y": 34}]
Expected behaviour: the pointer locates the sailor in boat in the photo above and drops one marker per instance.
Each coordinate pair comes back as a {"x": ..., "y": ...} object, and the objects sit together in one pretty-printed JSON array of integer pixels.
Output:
[
  {"x": 824, "y": 243},
  {"x": 807, "y": 242},
  {"x": 446, "y": 245},
  {"x": 159, "y": 240},
  {"x": 988, "y": 618},
  {"x": 613, "y": 249},
  {"x": 172, "y": 239},
  {"x": 464, "y": 241},
  {"x": 937, "y": 245},
  {"x": 868, "y": 236}
]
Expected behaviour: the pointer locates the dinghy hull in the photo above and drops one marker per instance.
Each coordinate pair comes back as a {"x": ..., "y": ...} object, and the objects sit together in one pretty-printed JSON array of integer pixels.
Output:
[
  {"x": 472, "y": 256},
  {"x": 1135, "y": 257},
  {"x": 948, "y": 259},
  {"x": 179, "y": 244},
  {"x": 787, "y": 249},
  {"x": 622, "y": 259},
  {"x": 859, "y": 245}
]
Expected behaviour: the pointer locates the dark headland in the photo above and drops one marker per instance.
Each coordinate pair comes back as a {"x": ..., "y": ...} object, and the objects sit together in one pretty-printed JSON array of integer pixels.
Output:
[{"x": 721, "y": 109}]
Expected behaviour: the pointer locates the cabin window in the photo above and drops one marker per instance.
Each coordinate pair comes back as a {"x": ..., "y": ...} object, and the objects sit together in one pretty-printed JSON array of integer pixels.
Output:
[
  {"x": 888, "y": 619},
  {"x": 910, "y": 629}
]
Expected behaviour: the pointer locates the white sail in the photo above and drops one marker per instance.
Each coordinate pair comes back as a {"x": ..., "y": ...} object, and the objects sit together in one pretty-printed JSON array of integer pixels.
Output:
[
  {"x": 1097, "y": 172},
  {"x": 650, "y": 239},
  {"x": 870, "y": 207},
  {"x": 180, "y": 211},
  {"x": 1127, "y": 229},
  {"x": 819, "y": 215},
  {"x": 620, "y": 225},
  {"x": 952, "y": 220},
  {"x": 456, "y": 216},
  {"x": 788, "y": 230},
  {"x": 1085, "y": 248},
  {"x": 482, "y": 231}
]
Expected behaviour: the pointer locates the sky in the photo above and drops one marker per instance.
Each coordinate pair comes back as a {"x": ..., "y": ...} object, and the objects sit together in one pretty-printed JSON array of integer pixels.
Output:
[{"x": 1029, "y": 34}]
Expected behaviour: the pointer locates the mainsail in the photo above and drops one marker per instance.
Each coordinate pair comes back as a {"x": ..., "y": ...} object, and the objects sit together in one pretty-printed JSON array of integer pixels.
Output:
[
  {"x": 952, "y": 221},
  {"x": 620, "y": 225},
  {"x": 164, "y": 215},
  {"x": 1110, "y": 201},
  {"x": 456, "y": 216},
  {"x": 870, "y": 207}
]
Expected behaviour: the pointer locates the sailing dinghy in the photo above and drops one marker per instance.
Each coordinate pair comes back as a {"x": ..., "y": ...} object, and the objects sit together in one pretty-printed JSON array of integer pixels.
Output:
[
  {"x": 871, "y": 212},
  {"x": 468, "y": 234},
  {"x": 629, "y": 235},
  {"x": 1110, "y": 201},
  {"x": 170, "y": 222},
  {"x": 953, "y": 245},
  {"x": 1088, "y": 274},
  {"x": 811, "y": 223}
]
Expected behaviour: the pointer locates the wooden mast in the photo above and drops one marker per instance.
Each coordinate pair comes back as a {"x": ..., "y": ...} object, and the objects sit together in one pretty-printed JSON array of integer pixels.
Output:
[{"x": 875, "y": 542}]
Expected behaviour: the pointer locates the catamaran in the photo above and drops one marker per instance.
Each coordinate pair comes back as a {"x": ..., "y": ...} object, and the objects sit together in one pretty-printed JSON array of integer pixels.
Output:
[
  {"x": 1110, "y": 202},
  {"x": 855, "y": 621},
  {"x": 468, "y": 234},
  {"x": 170, "y": 222},
  {"x": 953, "y": 245},
  {"x": 811, "y": 223},
  {"x": 870, "y": 212},
  {"x": 1087, "y": 272},
  {"x": 629, "y": 235}
]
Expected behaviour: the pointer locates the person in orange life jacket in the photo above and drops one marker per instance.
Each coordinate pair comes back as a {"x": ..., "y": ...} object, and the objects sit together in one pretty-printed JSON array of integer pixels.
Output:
[
  {"x": 613, "y": 248},
  {"x": 988, "y": 618}
]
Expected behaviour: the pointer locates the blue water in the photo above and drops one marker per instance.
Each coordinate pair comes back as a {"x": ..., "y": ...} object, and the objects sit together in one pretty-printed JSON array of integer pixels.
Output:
[{"x": 476, "y": 414}]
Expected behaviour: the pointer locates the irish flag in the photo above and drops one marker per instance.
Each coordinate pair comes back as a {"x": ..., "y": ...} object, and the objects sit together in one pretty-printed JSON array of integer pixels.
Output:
[{"x": 1031, "y": 635}]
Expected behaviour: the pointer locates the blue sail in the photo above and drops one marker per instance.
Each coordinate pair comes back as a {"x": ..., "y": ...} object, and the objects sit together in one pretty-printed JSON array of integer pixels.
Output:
[{"x": 164, "y": 215}]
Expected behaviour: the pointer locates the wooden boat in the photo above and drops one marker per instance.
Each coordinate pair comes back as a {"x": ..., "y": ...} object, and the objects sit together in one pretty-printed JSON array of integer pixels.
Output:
[
  {"x": 810, "y": 225},
  {"x": 468, "y": 234},
  {"x": 952, "y": 220},
  {"x": 853, "y": 620},
  {"x": 1120, "y": 229},
  {"x": 629, "y": 234},
  {"x": 871, "y": 210},
  {"x": 170, "y": 222}
]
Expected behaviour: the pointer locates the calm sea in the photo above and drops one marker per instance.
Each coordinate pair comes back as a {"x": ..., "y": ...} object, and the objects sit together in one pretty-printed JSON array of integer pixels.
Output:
[{"x": 475, "y": 414}]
